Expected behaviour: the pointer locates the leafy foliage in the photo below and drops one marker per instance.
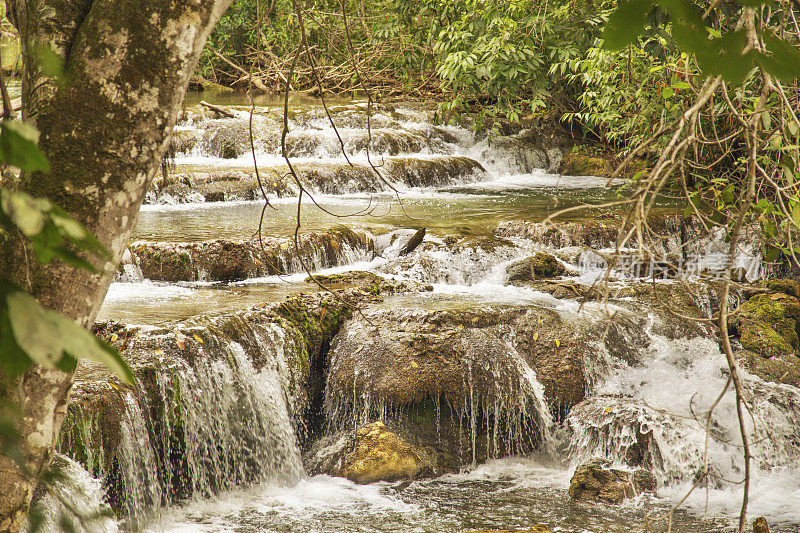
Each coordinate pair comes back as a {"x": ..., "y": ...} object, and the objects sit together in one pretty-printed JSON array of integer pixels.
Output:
[{"x": 29, "y": 333}]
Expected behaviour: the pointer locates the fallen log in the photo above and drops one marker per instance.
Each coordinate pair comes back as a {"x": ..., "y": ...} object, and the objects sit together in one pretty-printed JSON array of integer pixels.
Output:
[{"x": 217, "y": 109}]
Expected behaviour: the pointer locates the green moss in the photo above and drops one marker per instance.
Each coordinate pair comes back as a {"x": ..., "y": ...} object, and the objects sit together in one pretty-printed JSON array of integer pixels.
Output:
[
  {"x": 79, "y": 440},
  {"x": 785, "y": 369},
  {"x": 545, "y": 266},
  {"x": 786, "y": 286},
  {"x": 767, "y": 324},
  {"x": 316, "y": 324}
]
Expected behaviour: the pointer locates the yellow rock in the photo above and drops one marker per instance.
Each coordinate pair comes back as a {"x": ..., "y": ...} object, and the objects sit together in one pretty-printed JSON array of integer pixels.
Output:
[{"x": 380, "y": 455}]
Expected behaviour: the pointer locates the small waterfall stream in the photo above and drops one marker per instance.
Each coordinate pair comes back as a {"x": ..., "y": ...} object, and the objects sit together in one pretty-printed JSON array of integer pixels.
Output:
[{"x": 514, "y": 383}]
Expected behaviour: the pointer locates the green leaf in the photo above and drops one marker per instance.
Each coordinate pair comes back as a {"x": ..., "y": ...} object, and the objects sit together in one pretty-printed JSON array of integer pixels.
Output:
[
  {"x": 46, "y": 337},
  {"x": 13, "y": 360},
  {"x": 769, "y": 228},
  {"x": 667, "y": 93},
  {"x": 626, "y": 23},
  {"x": 50, "y": 63},
  {"x": 18, "y": 146},
  {"x": 25, "y": 212},
  {"x": 784, "y": 60},
  {"x": 772, "y": 254},
  {"x": 728, "y": 195}
]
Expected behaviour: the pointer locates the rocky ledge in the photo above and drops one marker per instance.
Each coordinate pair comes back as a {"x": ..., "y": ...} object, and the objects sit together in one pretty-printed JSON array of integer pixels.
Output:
[{"x": 316, "y": 177}]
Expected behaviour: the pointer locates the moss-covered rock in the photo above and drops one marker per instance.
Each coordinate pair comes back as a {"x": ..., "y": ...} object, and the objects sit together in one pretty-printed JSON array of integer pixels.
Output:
[
  {"x": 373, "y": 453},
  {"x": 320, "y": 177},
  {"x": 586, "y": 160},
  {"x": 539, "y": 266},
  {"x": 283, "y": 338},
  {"x": 368, "y": 282},
  {"x": 229, "y": 260},
  {"x": 595, "y": 481},
  {"x": 767, "y": 324},
  {"x": 786, "y": 286},
  {"x": 777, "y": 369}
]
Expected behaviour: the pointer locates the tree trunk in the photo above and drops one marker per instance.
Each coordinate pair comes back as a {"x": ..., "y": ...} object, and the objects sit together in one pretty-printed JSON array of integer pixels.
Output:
[{"x": 104, "y": 128}]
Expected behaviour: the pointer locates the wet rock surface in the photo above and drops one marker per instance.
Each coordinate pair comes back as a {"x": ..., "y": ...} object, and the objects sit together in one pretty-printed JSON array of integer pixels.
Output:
[
  {"x": 586, "y": 160},
  {"x": 767, "y": 324},
  {"x": 539, "y": 266},
  {"x": 596, "y": 481},
  {"x": 524, "y": 152},
  {"x": 222, "y": 260},
  {"x": 318, "y": 177},
  {"x": 371, "y": 453}
]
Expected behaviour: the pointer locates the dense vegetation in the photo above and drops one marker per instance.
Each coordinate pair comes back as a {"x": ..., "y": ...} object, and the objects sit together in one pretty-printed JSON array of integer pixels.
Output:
[{"x": 614, "y": 81}]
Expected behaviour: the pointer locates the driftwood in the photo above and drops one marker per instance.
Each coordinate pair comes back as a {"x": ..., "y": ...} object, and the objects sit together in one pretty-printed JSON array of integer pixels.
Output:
[{"x": 217, "y": 109}]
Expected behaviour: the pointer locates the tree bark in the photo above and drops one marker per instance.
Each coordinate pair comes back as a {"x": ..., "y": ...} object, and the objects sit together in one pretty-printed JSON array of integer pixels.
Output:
[{"x": 105, "y": 125}]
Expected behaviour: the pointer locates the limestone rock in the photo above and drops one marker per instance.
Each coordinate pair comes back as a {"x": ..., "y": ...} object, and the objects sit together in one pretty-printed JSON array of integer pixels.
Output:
[
  {"x": 596, "y": 482},
  {"x": 373, "y": 453},
  {"x": 589, "y": 161},
  {"x": 767, "y": 324},
  {"x": 786, "y": 286},
  {"x": 777, "y": 369},
  {"x": 539, "y": 266},
  {"x": 225, "y": 260}
]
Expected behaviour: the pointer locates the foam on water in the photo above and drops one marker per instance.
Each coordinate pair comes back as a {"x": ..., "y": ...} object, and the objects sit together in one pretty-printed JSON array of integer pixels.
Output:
[
  {"x": 654, "y": 413},
  {"x": 308, "y": 501},
  {"x": 145, "y": 290},
  {"x": 75, "y": 498}
]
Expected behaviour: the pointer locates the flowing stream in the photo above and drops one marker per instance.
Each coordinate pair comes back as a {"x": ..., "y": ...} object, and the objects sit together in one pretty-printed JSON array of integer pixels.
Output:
[{"x": 225, "y": 455}]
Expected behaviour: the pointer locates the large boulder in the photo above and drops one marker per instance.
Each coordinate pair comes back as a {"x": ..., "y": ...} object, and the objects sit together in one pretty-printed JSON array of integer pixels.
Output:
[
  {"x": 585, "y": 160},
  {"x": 767, "y": 324},
  {"x": 538, "y": 266},
  {"x": 369, "y": 454},
  {"x": 501, "y": 375},
  {"x": 524, "y": 152},
  {"x": 596, "y": 481}
]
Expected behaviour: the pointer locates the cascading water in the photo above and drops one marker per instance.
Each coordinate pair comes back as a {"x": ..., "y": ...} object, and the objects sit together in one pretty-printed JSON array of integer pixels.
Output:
[
  {"x": 210, "y": 442},
  {"x": 74, "y": 498},
  {"x": 655, "y": 414}
]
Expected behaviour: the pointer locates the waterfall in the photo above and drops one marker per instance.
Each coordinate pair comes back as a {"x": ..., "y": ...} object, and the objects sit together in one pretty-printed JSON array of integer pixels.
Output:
[
  {"x": 75, "y": 498},
  {"x": 653, "y": 414},
  {"x": 220, "y": 416}
]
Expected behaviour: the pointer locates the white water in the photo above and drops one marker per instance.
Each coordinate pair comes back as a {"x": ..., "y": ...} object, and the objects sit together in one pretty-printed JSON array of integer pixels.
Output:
[{"x": 239, "y": 418}]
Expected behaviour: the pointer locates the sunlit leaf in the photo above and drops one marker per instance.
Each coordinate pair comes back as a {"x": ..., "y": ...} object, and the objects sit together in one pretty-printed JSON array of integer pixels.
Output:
[
  {"x": 18, "y": 146},
  {"x": 626, "y": 23},
  {"x": 45, "y": 336},
  {"x": 24, "y": 211}
]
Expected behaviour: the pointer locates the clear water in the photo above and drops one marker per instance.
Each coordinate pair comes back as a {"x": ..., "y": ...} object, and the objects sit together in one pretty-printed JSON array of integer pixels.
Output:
[{"x": 473, "y": 209}]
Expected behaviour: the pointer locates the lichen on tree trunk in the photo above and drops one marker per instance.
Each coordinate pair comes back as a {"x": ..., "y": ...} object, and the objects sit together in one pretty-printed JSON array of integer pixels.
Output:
[{"x": 104, "y": 125}]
